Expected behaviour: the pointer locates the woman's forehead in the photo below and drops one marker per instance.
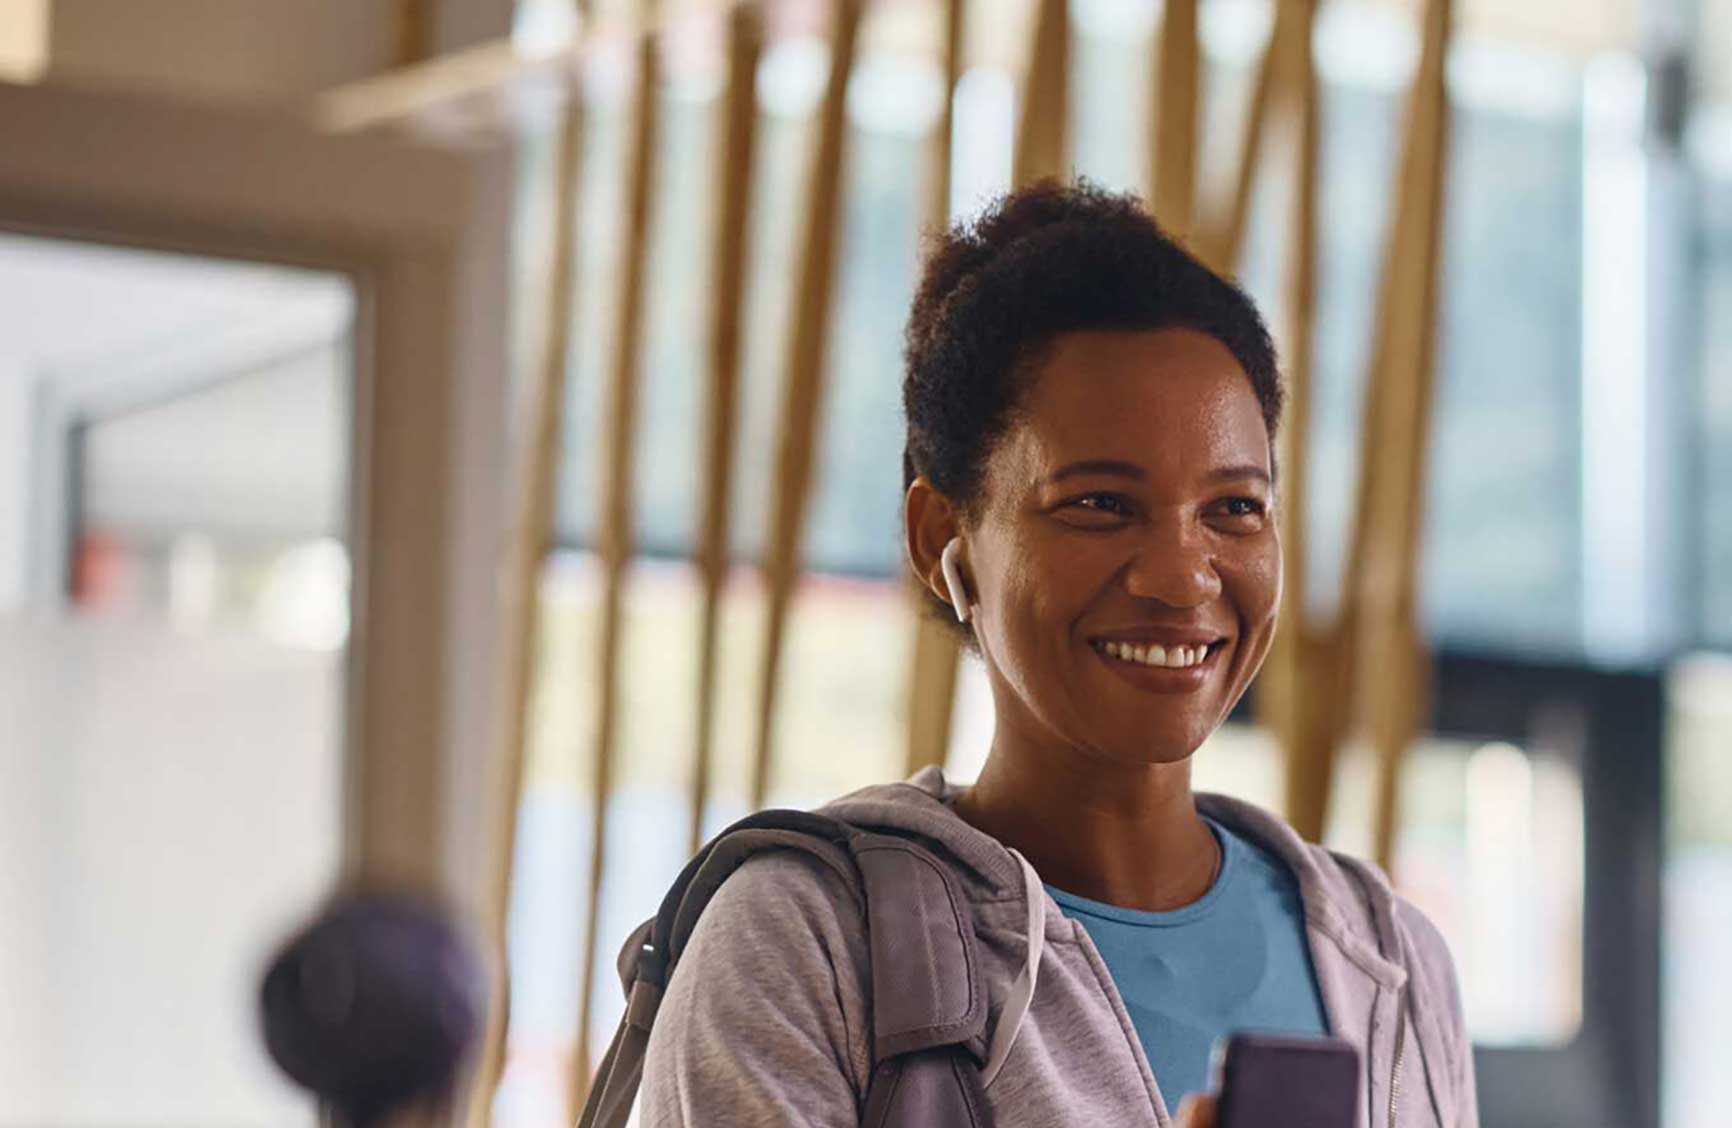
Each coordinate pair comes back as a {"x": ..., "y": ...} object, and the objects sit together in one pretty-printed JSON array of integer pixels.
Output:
[{"x": 1171, "y": 399}]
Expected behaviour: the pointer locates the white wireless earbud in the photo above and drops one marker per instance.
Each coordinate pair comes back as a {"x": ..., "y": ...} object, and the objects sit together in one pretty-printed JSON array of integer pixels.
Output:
[{"x": 953, "y": 579}]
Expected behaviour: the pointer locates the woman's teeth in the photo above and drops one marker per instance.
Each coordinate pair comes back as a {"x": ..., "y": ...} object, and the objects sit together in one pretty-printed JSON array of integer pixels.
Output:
[{"x": 1174, "y": 658}]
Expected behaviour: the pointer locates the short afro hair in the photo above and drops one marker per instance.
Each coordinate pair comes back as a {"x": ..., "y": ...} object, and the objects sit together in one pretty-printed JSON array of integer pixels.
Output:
[{"x": 1039, "y": 262}]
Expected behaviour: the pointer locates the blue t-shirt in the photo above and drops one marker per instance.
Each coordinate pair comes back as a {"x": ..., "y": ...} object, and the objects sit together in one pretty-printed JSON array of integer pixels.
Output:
[{"x": 1235, "y": 960}]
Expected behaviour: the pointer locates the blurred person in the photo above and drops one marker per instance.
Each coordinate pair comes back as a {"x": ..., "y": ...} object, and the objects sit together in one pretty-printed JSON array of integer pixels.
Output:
[{"x": 1090, "y": 495}]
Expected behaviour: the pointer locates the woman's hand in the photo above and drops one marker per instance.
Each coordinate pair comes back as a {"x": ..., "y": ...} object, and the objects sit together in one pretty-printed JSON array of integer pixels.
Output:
[{"x": 1196, "y": 1111}]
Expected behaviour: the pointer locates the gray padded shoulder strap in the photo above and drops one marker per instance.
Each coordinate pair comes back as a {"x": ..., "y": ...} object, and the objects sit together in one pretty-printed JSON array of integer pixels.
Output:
[{"x": 927, "y": 991}]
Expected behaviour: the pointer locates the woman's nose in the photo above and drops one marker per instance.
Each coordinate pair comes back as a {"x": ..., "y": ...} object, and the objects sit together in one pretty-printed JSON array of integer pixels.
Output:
[{"x": 1175, "y": 566}]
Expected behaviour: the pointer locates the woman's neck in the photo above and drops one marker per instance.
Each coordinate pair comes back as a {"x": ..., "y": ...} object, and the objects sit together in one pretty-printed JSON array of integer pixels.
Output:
[{"x": 1122, "y": 834}]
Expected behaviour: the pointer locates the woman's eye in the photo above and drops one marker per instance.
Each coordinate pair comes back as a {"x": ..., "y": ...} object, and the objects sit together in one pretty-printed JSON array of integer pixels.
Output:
[
  {"x": 1247, "y": 513},
  {"x": 1110, "y": 504}
]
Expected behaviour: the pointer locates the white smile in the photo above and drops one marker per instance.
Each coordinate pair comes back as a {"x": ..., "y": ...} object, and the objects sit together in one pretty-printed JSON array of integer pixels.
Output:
[{"x": 1153, "y": 654}]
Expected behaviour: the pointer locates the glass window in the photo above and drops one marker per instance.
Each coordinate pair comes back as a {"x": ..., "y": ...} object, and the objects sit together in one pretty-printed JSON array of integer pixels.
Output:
[
  {"x": 1501, "y": 564},
  {"x": 1503, "y": 561},
  {"x": 223, "y": 507},
  {"x": 1696, "y": 969},
  {"x": 1711, "y": 501}
]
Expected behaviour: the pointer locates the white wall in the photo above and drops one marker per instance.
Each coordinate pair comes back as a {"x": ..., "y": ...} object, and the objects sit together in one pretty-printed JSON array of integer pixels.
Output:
[{"x": 170, "y": 806}]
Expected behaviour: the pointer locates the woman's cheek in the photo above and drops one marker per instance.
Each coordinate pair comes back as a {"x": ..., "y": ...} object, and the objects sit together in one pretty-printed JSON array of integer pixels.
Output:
[
  {"x": 1270, "y": 574},
  {"x": 1254, "y": 587},
  {"x": 1034, "y": 624}
]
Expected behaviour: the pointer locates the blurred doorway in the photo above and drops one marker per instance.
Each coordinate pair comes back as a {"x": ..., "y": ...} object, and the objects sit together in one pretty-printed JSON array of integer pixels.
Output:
[
  {"x": 171, "y": 658},
  {"x": 251, "y": 456}
]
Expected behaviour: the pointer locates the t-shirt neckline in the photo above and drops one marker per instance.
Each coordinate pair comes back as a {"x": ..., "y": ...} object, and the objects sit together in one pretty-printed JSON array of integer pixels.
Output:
[{"x": 1231, "y": 850}]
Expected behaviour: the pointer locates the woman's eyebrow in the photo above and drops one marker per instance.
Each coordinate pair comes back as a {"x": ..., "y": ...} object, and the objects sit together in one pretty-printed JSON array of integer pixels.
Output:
[
  {"x": 1115, "y": 468},
  {"x": 1243, "y": 470},
  {"x": 1107, "y": 466}
]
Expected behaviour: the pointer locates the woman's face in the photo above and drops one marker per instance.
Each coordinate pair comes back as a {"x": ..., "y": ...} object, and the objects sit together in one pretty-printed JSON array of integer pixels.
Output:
[{"x": 1127, "y": 513}]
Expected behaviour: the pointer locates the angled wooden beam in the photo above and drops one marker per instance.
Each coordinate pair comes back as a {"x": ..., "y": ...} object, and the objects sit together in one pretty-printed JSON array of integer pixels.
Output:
[
  {"x": 383, "y": 100},
  {"x": 721, "y": 414},
  {"x": 1292, "y": 681},
  {"x": 533, "y": 537},
  {"x": 944, "y": 137},
  {"x": 803, "y": 392},
  {"x": 932, "y": 673},
  {"x": 931, "y": 688},
  {"x": 615, "y": 542},
  {"x": 1042, "y": 139},
  {"x": 1175, "y": 102},
  {"x": 1225, "y": 238},
  {"x": 1396, "y": 697},
  {"x": 1374, "y": 648}
]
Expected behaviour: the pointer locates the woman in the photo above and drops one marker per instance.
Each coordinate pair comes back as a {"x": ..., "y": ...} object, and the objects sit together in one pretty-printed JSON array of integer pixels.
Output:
[{"x": 1090, "y": 491}]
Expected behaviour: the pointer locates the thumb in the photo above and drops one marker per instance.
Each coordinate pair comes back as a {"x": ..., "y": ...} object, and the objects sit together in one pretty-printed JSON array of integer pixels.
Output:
[{"x": 1197, "y": 1111}]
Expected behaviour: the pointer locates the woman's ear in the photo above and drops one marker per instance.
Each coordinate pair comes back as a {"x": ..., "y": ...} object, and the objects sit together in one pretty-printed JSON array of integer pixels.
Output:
[{"x": 932, "y": 535}]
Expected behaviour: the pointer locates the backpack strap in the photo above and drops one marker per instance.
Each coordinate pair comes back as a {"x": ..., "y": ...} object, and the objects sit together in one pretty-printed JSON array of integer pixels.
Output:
[
  {"x": 927, "y": 993},
  {"x": 926, "y": 985}
]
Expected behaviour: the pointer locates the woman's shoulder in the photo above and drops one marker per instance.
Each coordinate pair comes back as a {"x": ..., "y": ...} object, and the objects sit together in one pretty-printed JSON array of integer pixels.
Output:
[
  {"x": 785, "y": 890},
  {"x": 768, "y": 996},
  {"x": 781, "y": 909}
]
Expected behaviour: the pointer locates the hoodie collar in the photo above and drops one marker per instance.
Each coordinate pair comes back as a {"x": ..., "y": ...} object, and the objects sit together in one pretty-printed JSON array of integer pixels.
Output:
[{"x": 1348, "y": 901}]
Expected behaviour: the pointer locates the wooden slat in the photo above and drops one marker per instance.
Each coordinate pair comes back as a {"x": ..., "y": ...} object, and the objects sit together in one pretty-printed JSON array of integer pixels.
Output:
[
  {"x": 1374, "y": 647},
  {"x": 533, "y": 537},
  {"x": 803, "y": 392},
  {"x": 428, "y": 84},
  {"x": 1041, "y": 151},
  {"x": 1282, "y": 687},
  {"x": 616, "y": 533},
  {"x": 1293, "y": 677},
  {"x": 1225, "y": 240},
  {"x": 931, "y": 689},
  {"x": 728, "y": 294},
  {"x": 1394, "y": 649},
  {"x": 1042, "y": 140},
  {"x": 414, "y": 27},
  {"x": 1175, "y": 99},
  {"x": 1340, "y": 651},
  {"x": 936, "y": 654},
  {"x": 399, "y": 95},
  {"x": 944, "y": 137}
]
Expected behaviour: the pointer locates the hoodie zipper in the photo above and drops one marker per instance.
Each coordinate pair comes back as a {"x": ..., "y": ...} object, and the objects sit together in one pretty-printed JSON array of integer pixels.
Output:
[{"x": 1400, "y": 1051}]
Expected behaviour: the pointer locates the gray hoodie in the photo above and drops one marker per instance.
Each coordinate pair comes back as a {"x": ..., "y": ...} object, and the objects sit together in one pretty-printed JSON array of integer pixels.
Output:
[{"x": 767, "y": 1018}]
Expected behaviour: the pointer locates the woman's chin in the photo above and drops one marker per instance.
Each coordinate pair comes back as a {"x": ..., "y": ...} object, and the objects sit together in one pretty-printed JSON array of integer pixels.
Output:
[{"x": 1152, "y": 748}]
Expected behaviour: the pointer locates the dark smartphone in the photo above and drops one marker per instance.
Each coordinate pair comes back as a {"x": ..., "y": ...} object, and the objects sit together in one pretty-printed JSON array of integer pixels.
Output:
[{"x": 1266, "y": 1080}]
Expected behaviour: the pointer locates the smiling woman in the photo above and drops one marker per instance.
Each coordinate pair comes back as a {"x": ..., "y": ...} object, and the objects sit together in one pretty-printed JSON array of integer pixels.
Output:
[
  {"x": 1089, "y": 500},
  {"x": 1137, "y": 476}
]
